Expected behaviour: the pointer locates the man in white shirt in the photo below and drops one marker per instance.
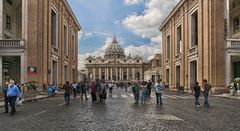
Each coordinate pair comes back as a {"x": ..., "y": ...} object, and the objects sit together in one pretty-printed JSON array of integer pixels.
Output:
[{"x": 158, "y": 90}]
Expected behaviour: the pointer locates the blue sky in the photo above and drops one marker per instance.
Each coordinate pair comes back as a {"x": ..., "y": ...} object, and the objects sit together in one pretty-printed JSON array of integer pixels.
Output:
[{"x": 134, "y": 22}]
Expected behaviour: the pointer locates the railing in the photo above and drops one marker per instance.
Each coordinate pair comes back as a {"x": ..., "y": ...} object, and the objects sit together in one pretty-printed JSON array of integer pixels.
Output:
[
  {"x": 193, "y": 50},
  {"x": 10, "y": 43},
  {"x": 233, "y": 43},
  {"x": 54, "y": 50},
  {"x": 177, "y": 57}
]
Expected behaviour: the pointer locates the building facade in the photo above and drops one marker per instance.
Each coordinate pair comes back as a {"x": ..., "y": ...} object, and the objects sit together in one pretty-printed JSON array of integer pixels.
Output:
[
  {"x": 194, "y": 45},
  {"x": 38, "y": 41},
  {"x": 115, "y": 66},
  {"x": 154, "y": 72},
  {"x": 232, "y": 48}
]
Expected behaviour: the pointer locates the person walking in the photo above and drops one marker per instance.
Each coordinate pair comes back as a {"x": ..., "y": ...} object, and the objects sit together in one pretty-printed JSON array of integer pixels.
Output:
[
  {"x": 149, "y": 87},
  {"x": 135, "y": 90},
  {"x": 83, "y": 88},
  {"x": 158, "y": 90},
  {"x": 206, "y": 90},
  {"x": 196, "y": 92},
  {"x": 5, "y": 90},
  {"x": 110, "y": 87},
  {"x": 68, "y": 90},
  {"x": 103, "y": 92},
  {"x": 144, "y": 92},
  {"x": 12, "y": 94},
  {"x": 93, "y": 89},
  {"x": 74, "y": 87}
]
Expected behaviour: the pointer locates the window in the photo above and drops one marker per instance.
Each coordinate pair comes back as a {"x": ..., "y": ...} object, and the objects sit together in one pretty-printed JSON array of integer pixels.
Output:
[
  {"x": 65, "y": 40},
  {"x": 168, "y": 47},
  {"x": 9, "y": 2},
  {"x": 8, "y": 23},
  {"x": 90, "y": 61},
  {"x": 236, "y": 25},
  {"x": 235, "y": 3},
  {"x": 194, "y": 29},
  {"x": 54, "y": 29},
  {"x": 179, "y": 39},
  {"x": 73, "y": 47}
]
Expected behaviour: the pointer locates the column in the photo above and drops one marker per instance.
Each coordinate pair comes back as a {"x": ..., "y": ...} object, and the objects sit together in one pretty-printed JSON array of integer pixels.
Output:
[
  {"x": 107, "y": 74},
  {"x": 120, "y": 73},
  {"x": 24, "y": 18},
  {"x": 87, "y": 76},
  {"x": 94, "y": 74},
  {"x": 1, "y": 68},
  {"x": 111, "y": 73},
  {"x": 100, "y": 74},
  {"x": 116, "y": 74},
  {"x": 133, "y": 73},
  {"x": 1, "y": 24},
  {"x": 141, "y": 74},
  {"x": 228, "y": 69},
  {"x": 128, "y": 74}
]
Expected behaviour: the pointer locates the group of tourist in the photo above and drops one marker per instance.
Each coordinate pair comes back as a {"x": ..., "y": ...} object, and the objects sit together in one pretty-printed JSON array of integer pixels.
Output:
[
  {"x": 98, "y": 90},
  {"x": 143, "y": 90}
]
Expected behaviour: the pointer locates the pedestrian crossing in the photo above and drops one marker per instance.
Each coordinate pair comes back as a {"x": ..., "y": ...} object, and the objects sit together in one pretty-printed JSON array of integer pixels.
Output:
[{"x": 130, "y": 96}]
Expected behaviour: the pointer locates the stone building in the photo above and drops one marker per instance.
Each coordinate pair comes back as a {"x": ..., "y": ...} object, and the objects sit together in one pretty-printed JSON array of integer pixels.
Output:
[
  {"x": 194, "y": 45},
  {"x": 38, "y": 41},
  {"x": 154, "y": 72},
  {"x": 232, "y": 48},
  {"x": 115, "y": 65}
]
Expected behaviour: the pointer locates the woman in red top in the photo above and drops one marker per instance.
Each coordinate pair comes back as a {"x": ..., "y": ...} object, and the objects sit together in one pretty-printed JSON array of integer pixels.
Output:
[{"x": 93, "y": 89}]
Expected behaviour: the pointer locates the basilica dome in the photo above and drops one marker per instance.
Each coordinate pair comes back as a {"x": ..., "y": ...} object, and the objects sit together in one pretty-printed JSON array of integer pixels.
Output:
[{"x": 114, "y": 50}]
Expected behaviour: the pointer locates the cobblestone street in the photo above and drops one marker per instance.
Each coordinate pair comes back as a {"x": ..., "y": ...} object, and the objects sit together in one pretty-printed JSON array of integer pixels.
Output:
[{"x": 119, "y": 113}]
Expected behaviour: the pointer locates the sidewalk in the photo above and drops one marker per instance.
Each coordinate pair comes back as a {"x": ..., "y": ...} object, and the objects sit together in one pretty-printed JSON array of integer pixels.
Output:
[
  {"x": 224, "y": 95},
  {"x": 39, "y": 96}
]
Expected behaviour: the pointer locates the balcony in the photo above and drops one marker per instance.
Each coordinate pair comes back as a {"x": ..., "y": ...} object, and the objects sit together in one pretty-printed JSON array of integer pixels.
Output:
[
  {"x": 193, "y": 51},
  {"x": 12, "y": 44},
  {"x": 177, "y": 57},
  {"x": 233, "y": 45}
]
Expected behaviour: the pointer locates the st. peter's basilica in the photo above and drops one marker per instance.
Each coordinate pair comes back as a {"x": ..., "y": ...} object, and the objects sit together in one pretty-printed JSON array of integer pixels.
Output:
[{"x": 115, "y": 65}]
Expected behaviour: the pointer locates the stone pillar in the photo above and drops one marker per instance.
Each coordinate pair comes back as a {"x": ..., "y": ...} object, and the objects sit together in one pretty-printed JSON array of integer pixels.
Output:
[
  {"x": 120, "y": 73},
  {"x": 116, "y": 74},
  {"x": 94, "y": 74},
  {"x": 24, "y": 18},
  {"x": 127, "y": 73},
  {"x": 133, "y": 74},
  {"x": 1, "y": 68},
  {"x": 228, "y": 69},
  {"x": 111, "y": 73},
  {"x": 141, "y": 76},
  {"x": 87, "y": 76},
  {"x": 23, "y": 69},
  {"x": 1, "y": 23},
  {"x": 100, "y": 73},
  {"x": 107, "y": 71}
]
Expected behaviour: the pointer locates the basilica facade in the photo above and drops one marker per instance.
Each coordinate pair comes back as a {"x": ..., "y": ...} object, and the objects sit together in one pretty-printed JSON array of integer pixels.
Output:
[{"x": 115, "y": 66}]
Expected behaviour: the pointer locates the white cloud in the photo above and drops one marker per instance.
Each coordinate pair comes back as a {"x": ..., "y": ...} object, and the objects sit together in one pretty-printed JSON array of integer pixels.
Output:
[
  {"x": 145, "y": 51},
  {"x": 146, "y": 25},
  {"x": 132, "y": 2}
]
